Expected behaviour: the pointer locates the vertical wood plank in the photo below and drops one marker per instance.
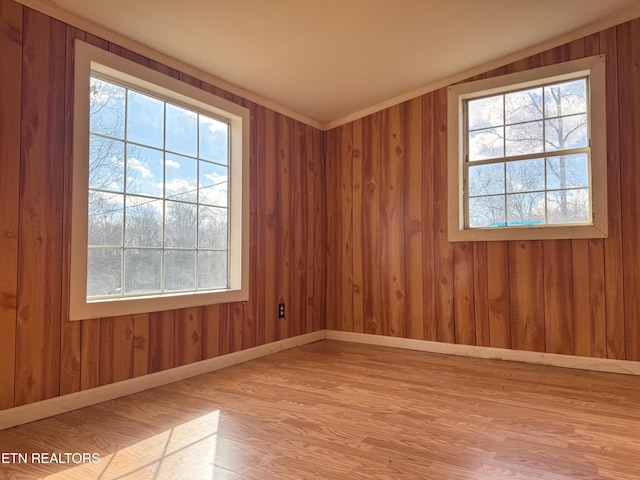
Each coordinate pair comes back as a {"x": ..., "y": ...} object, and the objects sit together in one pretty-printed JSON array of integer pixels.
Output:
[
  {"x": 10, "y": 94},
  {"x": 481, "y": 294},
  {"x": 226, "y": 331},
  {"x": 252, "y": 309},
  {"x": 598, "y": 307},
  {"x": 356, "y": 228},
  {"x": 580, "y": 298},
  {"x": 271, "y": 251},
  {"x": 300, "y": 232},
  {"x": 428, "y": 218},
  {"x": 210, "y": 331},
  {"x": 187, "y": 347},
  {"x": 320, "y": 240},
  {"x": 41, "y": 200},
  {"x": 285, "y": 230},
  {"x": 614, "y": 284},
  {"x": 628, "y": 35},
  {"x": 463, "y": 289},
  {"x": 498, "y": 293},
  {"x": 392, "y": 215},
  {"x": 443, "y": 252},
  {"x": 413, "y": 226},
  {"x": 70, "y": 332},
  {"x": 344, "y": 261},
  {"x": 116, "y": 349},
  {"x": 332, "y": 140},
  {"x": 372, "y": 291},
  {"x": 236, "y": 324},
  {"x": 140, "y": 344},
  {"x": 90, "y": 354},
  {"x": 557, "y": 294},
  {"x": 260, "y": 193},
  {"x": 161, "y": 334},
  {"x": 526, "y": 280}
]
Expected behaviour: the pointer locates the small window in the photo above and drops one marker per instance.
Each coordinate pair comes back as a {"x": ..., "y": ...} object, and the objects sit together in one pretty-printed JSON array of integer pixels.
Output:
[
  {"x": 527, "y": 155},
  {"x": 159, "y": 201}
]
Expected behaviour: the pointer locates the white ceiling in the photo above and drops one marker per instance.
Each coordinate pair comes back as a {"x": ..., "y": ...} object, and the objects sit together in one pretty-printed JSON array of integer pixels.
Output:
[{"x": 328, "y": 59}]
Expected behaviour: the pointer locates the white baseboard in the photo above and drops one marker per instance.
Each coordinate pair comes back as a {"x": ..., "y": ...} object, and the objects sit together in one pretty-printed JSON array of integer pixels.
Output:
[
  {"x": 55, "y": 406},
  {"x": 551, "y": 359},
  {"x": 65, "y": 403}
]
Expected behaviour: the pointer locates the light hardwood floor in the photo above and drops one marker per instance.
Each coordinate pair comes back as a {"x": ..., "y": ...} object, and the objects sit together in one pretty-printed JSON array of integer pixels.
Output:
[{"x": 333, "y": 410}]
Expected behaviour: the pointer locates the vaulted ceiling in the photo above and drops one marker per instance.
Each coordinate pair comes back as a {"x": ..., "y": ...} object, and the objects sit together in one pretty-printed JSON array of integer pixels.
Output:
[{"x": 331, "y": 59}]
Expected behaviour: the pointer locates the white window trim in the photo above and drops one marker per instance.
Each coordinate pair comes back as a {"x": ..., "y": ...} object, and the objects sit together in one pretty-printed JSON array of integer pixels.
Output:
[
  {"x": 458, "y": 94},
  {"x": 88, "y": 58}
]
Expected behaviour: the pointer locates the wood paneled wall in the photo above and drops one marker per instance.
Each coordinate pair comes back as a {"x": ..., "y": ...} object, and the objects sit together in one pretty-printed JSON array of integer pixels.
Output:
[
  {"x": 391, "y": 270},
  {"x": 42, "y": 354}
]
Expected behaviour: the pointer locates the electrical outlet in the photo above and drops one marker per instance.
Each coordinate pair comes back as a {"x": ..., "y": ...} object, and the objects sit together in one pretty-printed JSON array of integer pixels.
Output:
[{"x": 281, "y": 310}]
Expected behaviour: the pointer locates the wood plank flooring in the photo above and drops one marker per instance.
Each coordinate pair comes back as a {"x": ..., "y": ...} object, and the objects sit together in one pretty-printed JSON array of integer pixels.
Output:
[{"x": 333, "y": 410}]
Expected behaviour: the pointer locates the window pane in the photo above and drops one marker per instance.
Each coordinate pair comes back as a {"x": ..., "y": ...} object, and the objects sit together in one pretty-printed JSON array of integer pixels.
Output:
[
  {"x": 525, "y": 208},
  {"x": 568, "y": 206},
  {"x": 565, "y": 98},
  {"x": 212, "y": 270},
  {"x": 182, "y": 130},
  {"x": 143, "y": 270},
  {"x": 104, "y": 272},
  {"x": 566, "y": 132},
  {"x": 486, "y": 179},
  {"x": 181, "y": 174},
  {"x": 180, "y": 270},
  {"x": 144, "y": 170},
  {"x": 486, "y": 144},
  {"x": 106, "y": 218},
  {"x": 486, "y": 112},
  {"x": 180, "y": 227},
  {"x": 145, "y": 120},
  {"x": 213, "y": 140},
  {"x": 524, "y": 138},
  {"x": 106, "y": 164},
  {"x": 567, "y": 171},
  {"x": 523, "y": 106},
  {"x": 486, "y": 211},
  {"x": 212, "y": 228},
  {"x": 525, "y": 175},
  {"x": 214, "y": 184},
  {"x": 143, "y": 226},
  {"x": 106, "y": 108}
]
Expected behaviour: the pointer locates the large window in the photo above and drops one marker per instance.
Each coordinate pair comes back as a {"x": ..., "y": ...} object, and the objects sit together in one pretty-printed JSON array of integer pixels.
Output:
[
  {"x": 159, "y": 200},
  {"x": 524, "y": 153}
]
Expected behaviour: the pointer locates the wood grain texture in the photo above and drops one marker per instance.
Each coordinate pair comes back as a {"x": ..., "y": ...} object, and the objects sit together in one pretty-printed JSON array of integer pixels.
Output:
[
  {"x": 321, "y": 412},
  {"x": 300, "y": 201},
  {"x": 356, "y": 186},
  {"x": 372, "y": 290},
  {"x": 443, "y": 250},
  {"x": 428, "y": 218},
  {"x": 614, "y": 268},
  {"x": 70, "y": 332},
  {"x": 413, "y": 226},
  {"x": 498, "y": 293},
  {"x": 628, "y": 36},
  {"x": 392, "y": 199},
  {"x": 10, "y": 94},
  {"x": 41, "y": 206},
  {"x": 558, "y": 287},
  {"x": 344, "y": 209},
  {"x": 576, "y": 297}
]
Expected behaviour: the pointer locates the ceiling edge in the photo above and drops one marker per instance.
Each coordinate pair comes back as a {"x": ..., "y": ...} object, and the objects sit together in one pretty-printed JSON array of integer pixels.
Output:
[
  {"x": 604, "y": 23},
  {"x": 48, "y": 8}
]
